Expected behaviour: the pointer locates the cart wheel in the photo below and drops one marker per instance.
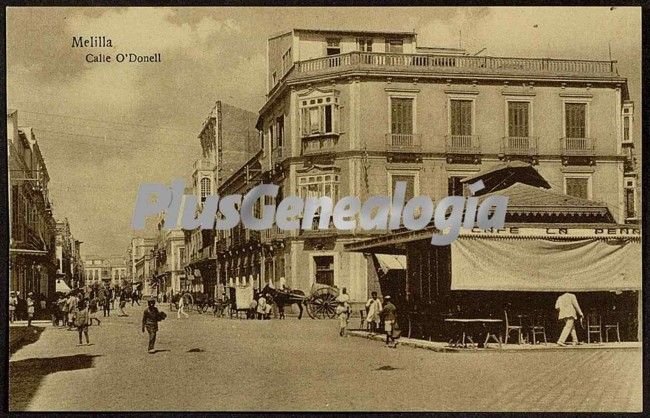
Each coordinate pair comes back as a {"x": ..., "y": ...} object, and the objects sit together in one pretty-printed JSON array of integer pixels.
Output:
[{"x": 322, "y": 305}]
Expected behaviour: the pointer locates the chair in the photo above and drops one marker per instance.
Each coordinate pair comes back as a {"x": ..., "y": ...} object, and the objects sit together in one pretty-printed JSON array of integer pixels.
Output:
[
  {"x": 537, "y": 327},
  {"x": 594, "y": 326},
  {"x": 510, "y": 328},
  {"x": 611, "y": 324}
]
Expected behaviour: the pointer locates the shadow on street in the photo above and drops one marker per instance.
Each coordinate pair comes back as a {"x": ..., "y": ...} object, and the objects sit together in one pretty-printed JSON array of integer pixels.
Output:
[{"x": 25, "y": 376}]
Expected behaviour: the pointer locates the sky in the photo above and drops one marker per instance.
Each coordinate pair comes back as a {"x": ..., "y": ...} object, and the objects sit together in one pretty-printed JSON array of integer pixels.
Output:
[{"x": 106, "y": 128}]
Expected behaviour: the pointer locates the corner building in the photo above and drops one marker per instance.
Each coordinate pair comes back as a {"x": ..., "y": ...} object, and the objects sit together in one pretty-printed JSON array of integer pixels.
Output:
[{"x": 352, "y": 113}]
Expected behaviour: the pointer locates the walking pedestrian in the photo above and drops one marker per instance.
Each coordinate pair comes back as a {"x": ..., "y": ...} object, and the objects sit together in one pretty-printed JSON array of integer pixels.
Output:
[
  {"x": 568, "y": 311},
  {"x": 181, "y": 307},
  {"x": 122, "y": 303},
  {"x": 373, "y": 308},
  {"x": 30, "y": 308},
  {"x": 13, "y": 304},
  {"x": 63, "y": 307},
  {"x": 389, "y": 312},
  {"x": 134, "y": 297},
  {"x": 150, "y": 319},
  {"x": 81, "y": 321},
  {"x": 92, "y": 311},
  {"x": 345, "y": 299},
  {"x": 72, "y": 304},
  {"x": 342, "y": 314}
]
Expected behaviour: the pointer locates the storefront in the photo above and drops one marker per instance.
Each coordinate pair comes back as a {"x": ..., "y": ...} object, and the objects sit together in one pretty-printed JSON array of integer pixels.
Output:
[{"x": 522, "y": 268}]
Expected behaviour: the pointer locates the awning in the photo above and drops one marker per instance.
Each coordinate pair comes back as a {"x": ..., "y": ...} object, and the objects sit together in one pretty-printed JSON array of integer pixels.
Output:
[
  {"x": 62, "y": 286},
  {"x": 545, "y": 265},
  {"x": 391, "y": 262}
]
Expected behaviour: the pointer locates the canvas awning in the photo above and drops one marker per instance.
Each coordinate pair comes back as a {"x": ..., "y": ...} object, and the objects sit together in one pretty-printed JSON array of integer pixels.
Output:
[
  {"x": 389, "y": 262},
  {"x": 545, "y": 265},
  {"x": 62, "y": 287}
]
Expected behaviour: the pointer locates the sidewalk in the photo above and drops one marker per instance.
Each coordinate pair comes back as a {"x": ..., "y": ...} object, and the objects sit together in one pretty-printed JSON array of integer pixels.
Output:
[
  {"x": 40, "y": 322},
  {"x": 445, "y": 348}
]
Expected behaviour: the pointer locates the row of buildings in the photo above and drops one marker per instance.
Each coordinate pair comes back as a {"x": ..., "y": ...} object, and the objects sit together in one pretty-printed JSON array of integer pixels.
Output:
[
  {"x": 352, "y": 113},
  {"x": 42, "y": 249},
  {"x": 105, "y": 270}
]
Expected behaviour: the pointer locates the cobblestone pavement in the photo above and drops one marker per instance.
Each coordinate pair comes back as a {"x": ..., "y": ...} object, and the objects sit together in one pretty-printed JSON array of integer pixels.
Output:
[{"x": 209, "y": 363}]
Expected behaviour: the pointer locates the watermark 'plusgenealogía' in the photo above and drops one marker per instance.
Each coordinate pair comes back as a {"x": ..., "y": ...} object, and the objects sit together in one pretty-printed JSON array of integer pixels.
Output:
[{"x": 294, "y": 212}]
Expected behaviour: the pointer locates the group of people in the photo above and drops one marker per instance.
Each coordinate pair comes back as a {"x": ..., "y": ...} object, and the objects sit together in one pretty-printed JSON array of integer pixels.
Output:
[
  {"x": 260, "y": 307},
  {"x": 24, "y": 309},
  {"x": 376, "y": 311}
]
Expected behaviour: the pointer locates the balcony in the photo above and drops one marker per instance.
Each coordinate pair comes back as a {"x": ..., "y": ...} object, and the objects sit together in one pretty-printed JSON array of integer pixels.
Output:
[
  {"x": 321, "y": 144},
  {"x": 274, "y": 234},
  {"x": 577, "y": 147},
  {"x": 453, "y": 64},
  {"x": 462, "y": 144},
  {"x": 403, "y": 142},
  {"x": 519, "y": 146},
  {"x": 276, "y": 155}
]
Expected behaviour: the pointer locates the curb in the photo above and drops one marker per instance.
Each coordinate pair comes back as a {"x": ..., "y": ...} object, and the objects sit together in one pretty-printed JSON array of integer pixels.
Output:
[{"x": 446, "y": 349}]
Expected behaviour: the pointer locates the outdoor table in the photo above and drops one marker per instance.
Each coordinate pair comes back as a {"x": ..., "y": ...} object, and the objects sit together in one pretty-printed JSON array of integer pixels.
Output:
[{"x": 467, "y": 322}]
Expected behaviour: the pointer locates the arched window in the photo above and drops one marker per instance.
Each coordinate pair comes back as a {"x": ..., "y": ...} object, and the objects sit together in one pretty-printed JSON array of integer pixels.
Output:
[{"x": 205, "y": 188}]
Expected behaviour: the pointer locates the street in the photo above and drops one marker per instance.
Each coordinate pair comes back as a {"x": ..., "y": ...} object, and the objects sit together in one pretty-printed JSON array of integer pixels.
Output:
[{"x": 208, "y": 363}]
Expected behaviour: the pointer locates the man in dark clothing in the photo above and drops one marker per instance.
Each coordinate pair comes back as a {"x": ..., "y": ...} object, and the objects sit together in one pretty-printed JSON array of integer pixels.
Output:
[
  {"x": 389, "y": 313},
  {"x": 150, "y": 319}
]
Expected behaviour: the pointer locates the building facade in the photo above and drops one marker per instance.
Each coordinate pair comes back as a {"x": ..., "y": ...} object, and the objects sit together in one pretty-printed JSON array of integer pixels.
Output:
[
  {"x": 352, "y": 113},
  {"x": 228, "y": 139},
  {"x": 32, "y": 233},
  {"x": 105, "y": 270},
  {"x": 169, "y": 258}
]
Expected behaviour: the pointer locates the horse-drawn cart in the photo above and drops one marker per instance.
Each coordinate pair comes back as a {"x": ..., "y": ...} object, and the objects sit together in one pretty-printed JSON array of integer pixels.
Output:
[{"x": 321, "y": 303}]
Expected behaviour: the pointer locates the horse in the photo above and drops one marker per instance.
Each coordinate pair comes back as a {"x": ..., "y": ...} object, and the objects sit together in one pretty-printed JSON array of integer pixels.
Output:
[{"x": 284, "y": 298}]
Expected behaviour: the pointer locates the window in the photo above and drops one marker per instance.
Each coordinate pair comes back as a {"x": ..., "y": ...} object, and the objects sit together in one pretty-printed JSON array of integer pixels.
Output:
[
  {"x": 324, "y": 270},
  {"x": 333, "y": 47},
  {"x": 318, "y": 186},
  {"x": 518, "y": 119},
  {"x": 274, "y": 78},
  {"x": 401, "y": 116},
  {"x": 394, "y": 45},
  {"x": 626, "y": 129},
  {"x": 364, "y": 44},
  {"x": 455, "y": 187},
  {"x": 575, "y": 115},
  {"x": 630, "y": 200},
  {"x": 319, "y": 116},
  {"x": 577, "y": 187},
  {"x": 272, "y": 136},
  {"x": 279, "y": 122},
  {"x": 205, "y": 188},
  {"x": 461, "y": 117},
  {"x": 409, "y": 179}
]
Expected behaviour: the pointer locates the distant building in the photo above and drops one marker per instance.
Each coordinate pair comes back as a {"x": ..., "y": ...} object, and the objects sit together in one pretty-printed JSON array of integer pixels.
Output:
[
  {"x": 105, "y": 270},
  {"x": 169, "y": 258}
]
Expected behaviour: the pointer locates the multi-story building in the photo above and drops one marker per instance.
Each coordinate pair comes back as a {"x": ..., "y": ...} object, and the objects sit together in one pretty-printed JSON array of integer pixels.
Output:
[
  {"x": 105, "y": 270},
  {"x": 169, "y": 251},
  {"x": 32, "y": 233},
  {"x": 140, "y": 263},
  {"x": 228, "y": 139},
  {"x": 352, "y": 113}
]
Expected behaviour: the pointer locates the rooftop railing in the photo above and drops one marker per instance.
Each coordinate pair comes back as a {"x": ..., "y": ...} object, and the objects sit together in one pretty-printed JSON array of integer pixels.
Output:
[{"x": 451, "y": 63}]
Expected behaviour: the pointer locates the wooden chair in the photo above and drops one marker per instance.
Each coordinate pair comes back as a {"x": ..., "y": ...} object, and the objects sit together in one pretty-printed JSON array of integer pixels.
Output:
[
  {"x": 510, "y": 328},
  {"x": 611, "y": 324},
  {"x": 537, "y": 327},
  {"x": 594, "y": 326}
]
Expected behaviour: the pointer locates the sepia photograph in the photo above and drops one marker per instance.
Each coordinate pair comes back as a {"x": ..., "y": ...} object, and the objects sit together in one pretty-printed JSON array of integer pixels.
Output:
[{"x": 321, "y": 209}]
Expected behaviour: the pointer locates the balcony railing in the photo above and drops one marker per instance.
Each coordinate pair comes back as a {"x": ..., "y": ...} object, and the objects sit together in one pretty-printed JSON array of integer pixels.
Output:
[
  {"x": 519, "y": 145},
  {"x": 454, "y": 63},
  {"x": 462, "y": 144},
  {"x": 274, "y": 233},
  {"x": 319, "y": 144},
  {"x": 276, "y": 155},
  {"x": 403, "y": 142},
  {"x": 577, "y": 147}
]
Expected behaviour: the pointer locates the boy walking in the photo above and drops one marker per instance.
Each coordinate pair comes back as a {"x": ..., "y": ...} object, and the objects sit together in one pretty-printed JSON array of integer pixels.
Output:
[
  {"x": 390, "y": 316},
  {"x": 81, "y": 321},
  {"x": 342, "y": 314}
]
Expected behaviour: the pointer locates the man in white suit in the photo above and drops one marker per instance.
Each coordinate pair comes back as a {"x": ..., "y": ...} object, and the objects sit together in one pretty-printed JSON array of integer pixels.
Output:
[{"x": 568, "y": 311}]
